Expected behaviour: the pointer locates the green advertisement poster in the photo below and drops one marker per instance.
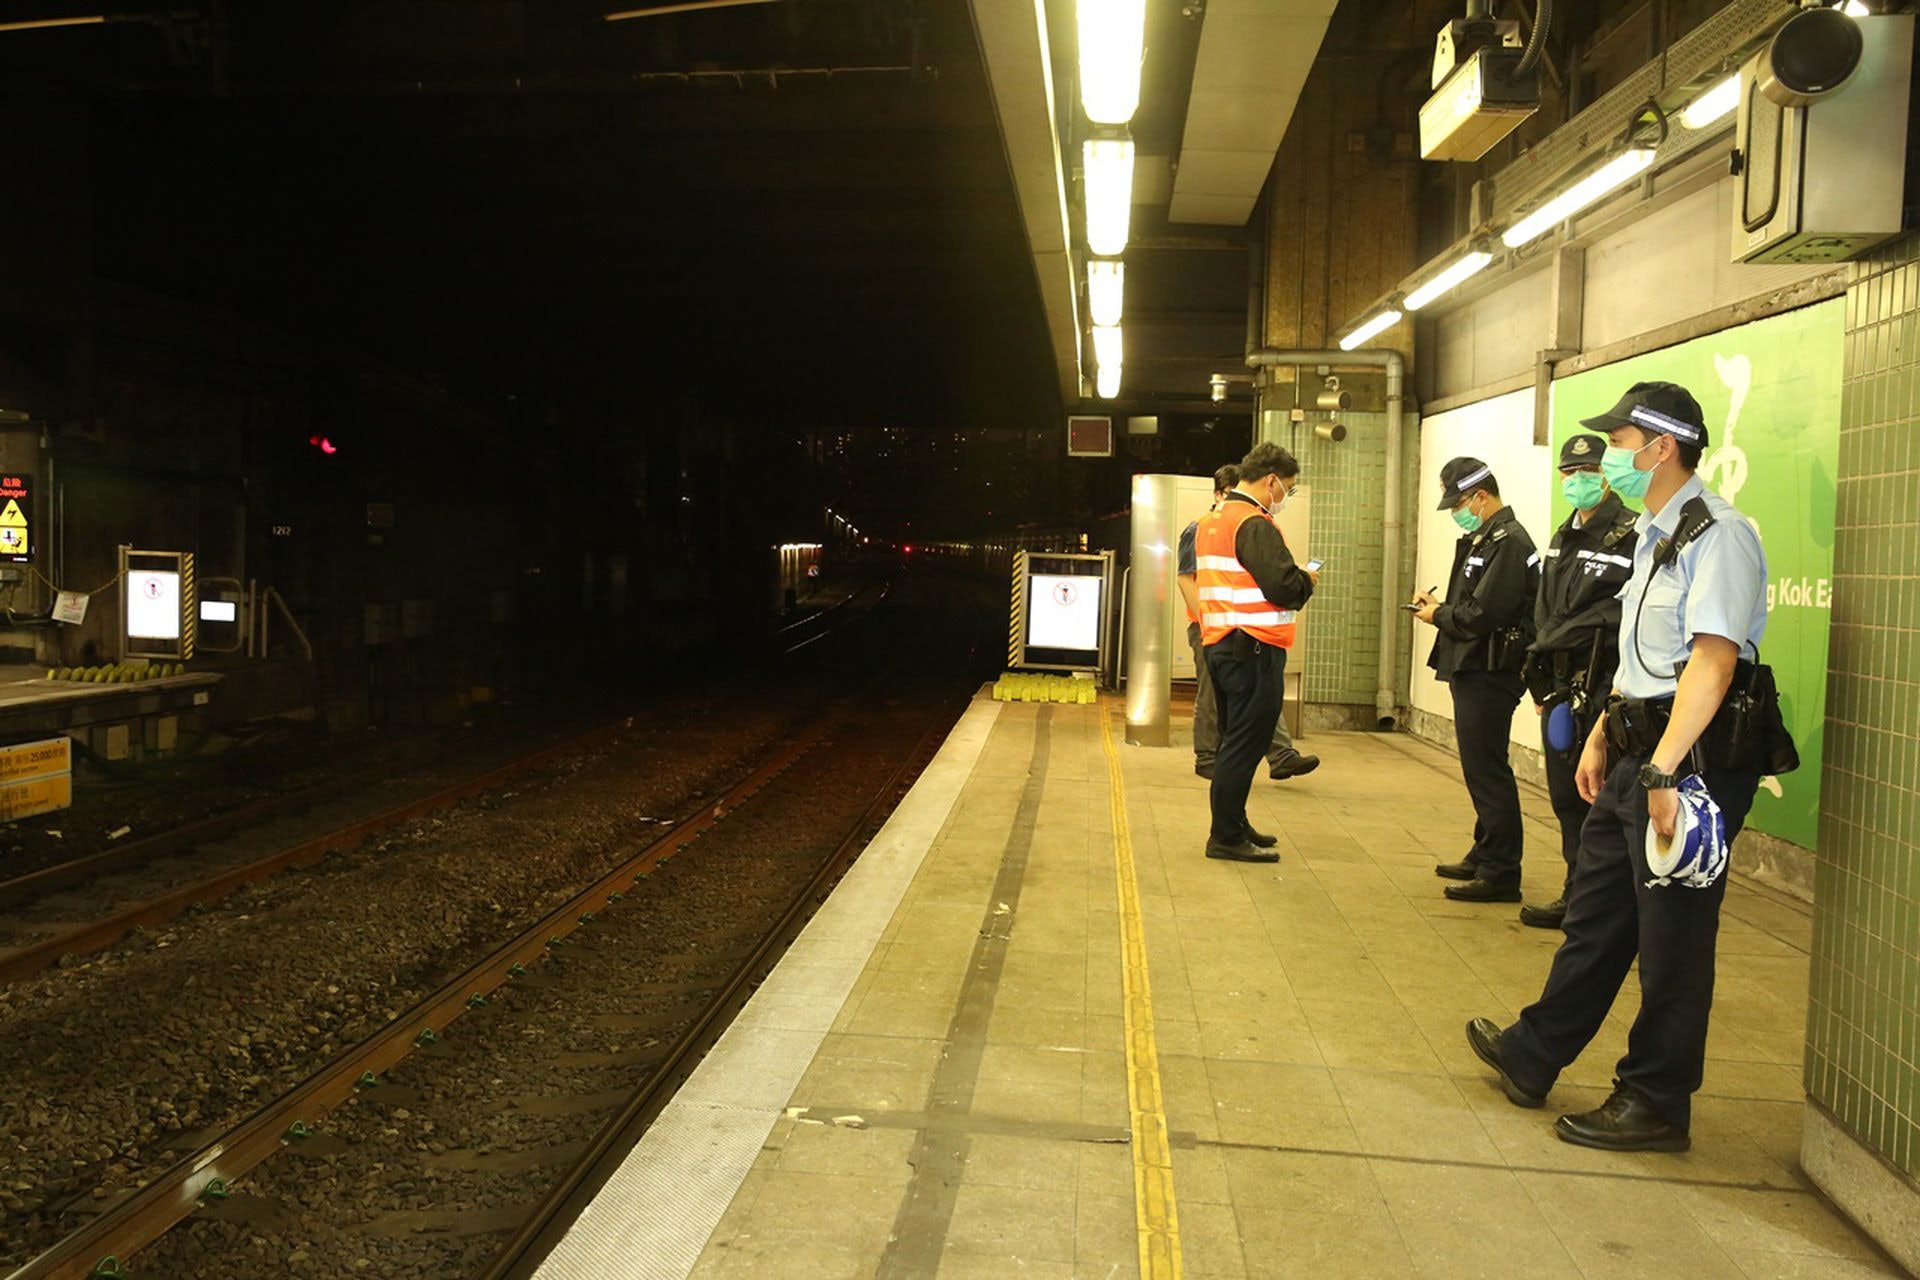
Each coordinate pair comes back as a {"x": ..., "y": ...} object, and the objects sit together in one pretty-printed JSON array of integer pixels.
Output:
[{"x": 1771, "y": 394}]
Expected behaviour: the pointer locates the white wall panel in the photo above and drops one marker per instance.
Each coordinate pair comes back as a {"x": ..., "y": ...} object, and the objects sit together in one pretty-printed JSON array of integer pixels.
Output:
[
  {"x": 1500, "y": 433},
  {"x": 1493, "y": 337},
  {"x": 1672, "y": 265}
]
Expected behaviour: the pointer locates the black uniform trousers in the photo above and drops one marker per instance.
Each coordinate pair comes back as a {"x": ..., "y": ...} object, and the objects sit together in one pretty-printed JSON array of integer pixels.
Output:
[
  {"x": 1483, "y": 706},
  {"x": 1247, "y": 690},
  {"x": 1564, "y": 791},
  {"x": 1612, "y": 916}
]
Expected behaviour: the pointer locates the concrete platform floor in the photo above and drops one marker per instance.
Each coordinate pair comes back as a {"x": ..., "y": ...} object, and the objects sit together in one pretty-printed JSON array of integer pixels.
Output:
[{"x": 968, "y": 1111}]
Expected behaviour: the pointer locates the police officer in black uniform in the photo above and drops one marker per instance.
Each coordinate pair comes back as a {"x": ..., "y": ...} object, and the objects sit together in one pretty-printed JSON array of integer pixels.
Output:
[
  {"x": 1485, "y": 626},
  {"x": 1576, "y": 643}
]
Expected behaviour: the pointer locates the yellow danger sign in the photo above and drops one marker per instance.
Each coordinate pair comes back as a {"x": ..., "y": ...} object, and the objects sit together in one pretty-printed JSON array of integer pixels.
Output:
[
  {"x": 13, "y": 529},
  {"x": 36, "y": 759},
  {"x": 42, "y": 795}
]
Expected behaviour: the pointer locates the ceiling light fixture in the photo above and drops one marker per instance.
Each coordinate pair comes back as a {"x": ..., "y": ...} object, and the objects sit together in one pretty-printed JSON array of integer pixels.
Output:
[
  {"x": 1610, "y": 176},
  {"x": 40, "y": 24},
  {"x": 689, "y": 6},
  {"x": 1106, "y": 289},
  {"x": 1854, "y": 9},
  {"x": 1461, "y": 271},
  {"x": 1378, "y": 324},
  {"x": 1714, "y": 104},
  {"x": 1107, "y": 179},
  {"x": 1112, "y": 33},
  {"x": 1106, "y": 345},
  {"x": 1106, "y": 383}
]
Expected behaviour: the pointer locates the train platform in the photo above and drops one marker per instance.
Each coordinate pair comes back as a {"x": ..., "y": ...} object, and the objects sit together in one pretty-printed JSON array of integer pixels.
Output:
[{"x": 1035, "y": 1033}]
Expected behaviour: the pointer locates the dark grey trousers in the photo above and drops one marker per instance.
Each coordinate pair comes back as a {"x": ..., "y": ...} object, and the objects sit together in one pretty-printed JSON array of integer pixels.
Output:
[{"x": 1206, "y": 716}]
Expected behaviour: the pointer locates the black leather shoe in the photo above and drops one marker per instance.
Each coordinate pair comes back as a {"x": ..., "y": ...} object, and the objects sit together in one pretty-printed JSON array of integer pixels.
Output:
[
  {"x": 1483, "y": 1034},
  {"x": 1624, "y": 1122},
  {"x": 1204, "y": 770},
  {"x": 1260, "y": 839},
  {"x": 1549, "y": 916},
  {"x": 1293, "y": 766},
  {"x": 1477, "y": 890},
  {"x": 1462, "y": 870},
  {"x": 1242, "y": 852}
]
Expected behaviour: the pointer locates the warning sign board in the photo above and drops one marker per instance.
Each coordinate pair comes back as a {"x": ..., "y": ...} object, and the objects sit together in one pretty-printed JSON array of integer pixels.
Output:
[
  {"x": 42, "y": 795},
  {"x": 35, "y": 778},
  {"x": 36, "y": 759},
  {"x": 16, "y": 520}
]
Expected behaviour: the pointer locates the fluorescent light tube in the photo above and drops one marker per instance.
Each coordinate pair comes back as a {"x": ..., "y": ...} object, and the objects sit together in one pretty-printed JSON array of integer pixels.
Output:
[
  {"x": 1385, "y": 320},
  {"x": 1712, "y": 104},
  {"x": 1112, "y": 33},
  {"x": 1106, "y": 382},
  {"x": 1610, "y": 176},
  {"x": 1106, "y": 345},
  {"x": 1854, "y": 9},
  {"x": 1465, "y": 269},
  {"x": 1107, "y": 178},
  {"x": 1106, "y": 289}
]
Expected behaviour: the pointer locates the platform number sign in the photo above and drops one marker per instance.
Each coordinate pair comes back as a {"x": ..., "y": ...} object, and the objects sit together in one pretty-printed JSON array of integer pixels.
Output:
[{"x": 16, "y": 520}]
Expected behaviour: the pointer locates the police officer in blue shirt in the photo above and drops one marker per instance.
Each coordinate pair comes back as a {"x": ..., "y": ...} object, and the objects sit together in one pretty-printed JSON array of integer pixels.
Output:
[{"x": 1692, "y": 617}]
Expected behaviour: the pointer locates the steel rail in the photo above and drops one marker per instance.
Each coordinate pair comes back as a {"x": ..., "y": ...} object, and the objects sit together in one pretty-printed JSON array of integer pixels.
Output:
[
  {"x": 568, "y": 1198},
  {"x": 33, "y": 957},
  {"x": 98, "y": 1247}
]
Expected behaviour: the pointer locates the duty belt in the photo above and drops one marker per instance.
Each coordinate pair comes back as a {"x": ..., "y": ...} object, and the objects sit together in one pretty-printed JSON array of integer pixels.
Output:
[{"x": 1634, "y": 725}]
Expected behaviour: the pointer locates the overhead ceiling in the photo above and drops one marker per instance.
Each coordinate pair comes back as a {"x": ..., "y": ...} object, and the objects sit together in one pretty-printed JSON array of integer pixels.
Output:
[
  {"x": 1218, "y": 88},
  {"x": 1253, "y": 62},
  {"x": 799, "y": 212}
]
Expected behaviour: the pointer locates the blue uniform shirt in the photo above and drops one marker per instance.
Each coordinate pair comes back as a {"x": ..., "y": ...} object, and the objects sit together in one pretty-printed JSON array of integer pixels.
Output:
[
  {"x": 1187, "y": 564},
  {"x": 1717, "y": 587}
]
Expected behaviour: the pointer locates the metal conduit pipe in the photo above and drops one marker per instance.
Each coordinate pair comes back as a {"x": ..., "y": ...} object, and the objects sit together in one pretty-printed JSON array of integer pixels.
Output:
[{"x": 1385, "y": 705}]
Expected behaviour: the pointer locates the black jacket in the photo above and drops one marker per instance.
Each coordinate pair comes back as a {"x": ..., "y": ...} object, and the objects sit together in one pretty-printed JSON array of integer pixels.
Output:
[
  {"x": 1580, "y": 581},
  {"x": 1496, "y": 576}
]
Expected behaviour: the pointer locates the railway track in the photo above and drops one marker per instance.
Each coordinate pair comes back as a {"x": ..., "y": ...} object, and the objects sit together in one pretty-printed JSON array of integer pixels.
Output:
[
  {"x": 51, "y": 945},
  {"x": 101, "y": 1247},
  {"x": 103, "y": 931}
]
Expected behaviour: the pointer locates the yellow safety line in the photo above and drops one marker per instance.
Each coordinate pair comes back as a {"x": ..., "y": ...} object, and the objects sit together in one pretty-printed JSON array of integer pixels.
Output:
[{"x": 1154, "y": 1211}]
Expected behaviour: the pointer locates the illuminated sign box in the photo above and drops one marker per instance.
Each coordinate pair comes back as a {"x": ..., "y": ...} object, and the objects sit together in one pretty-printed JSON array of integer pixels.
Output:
[{"x": 1063, "y": 612}]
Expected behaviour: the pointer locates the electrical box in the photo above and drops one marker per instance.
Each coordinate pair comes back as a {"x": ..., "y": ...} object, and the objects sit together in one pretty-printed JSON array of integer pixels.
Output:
[{"x": 1826, "y": 182}]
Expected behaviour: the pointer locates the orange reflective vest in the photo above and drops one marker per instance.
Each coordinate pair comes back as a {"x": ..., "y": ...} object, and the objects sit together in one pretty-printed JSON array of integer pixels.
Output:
[{"x": 1229, "y": 597}]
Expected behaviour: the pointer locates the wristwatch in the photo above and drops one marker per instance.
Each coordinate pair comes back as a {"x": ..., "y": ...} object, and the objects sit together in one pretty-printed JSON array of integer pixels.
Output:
[{"x": 1653, "y": 780}]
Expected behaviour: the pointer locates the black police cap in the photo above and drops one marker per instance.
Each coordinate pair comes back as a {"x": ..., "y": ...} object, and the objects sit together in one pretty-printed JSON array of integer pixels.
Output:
[
  {"x": 1582, "y": 450},
  {"x": 1460, "y": 477},
  {"x": 1666, "y": 407}
]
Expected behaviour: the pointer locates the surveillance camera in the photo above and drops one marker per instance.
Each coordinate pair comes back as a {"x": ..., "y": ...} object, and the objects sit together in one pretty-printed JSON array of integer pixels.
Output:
[{"x": 1219, "y": 385}]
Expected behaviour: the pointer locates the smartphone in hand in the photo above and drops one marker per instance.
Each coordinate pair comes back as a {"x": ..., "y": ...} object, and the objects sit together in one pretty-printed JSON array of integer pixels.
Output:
[{"x": 1313, "y": 566}]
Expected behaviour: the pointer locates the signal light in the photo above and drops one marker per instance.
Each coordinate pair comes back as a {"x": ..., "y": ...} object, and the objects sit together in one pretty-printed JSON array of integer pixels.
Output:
[{"x": 324, "y": 445}]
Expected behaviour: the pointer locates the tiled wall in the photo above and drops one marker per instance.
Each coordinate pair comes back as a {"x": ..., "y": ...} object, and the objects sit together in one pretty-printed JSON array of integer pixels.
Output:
[
  {"x": 1863, "y": 1033},
  {"x": 1349, "y": 494}
]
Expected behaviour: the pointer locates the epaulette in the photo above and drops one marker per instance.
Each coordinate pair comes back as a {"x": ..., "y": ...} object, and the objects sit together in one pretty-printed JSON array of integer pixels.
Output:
[
  {"x": 1498, "y": 534},
  {"x": 1622, "y": 526}
]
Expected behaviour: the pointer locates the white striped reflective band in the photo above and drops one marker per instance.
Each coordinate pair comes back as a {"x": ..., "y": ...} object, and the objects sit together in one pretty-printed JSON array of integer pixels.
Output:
[
  {"x": 1467, "y": 482},
  {"x": 1661, "y": 422},
  {"x": 1225, "y": 564},
  {"x": 1480, "y": 561},
  {"x": 1609, "y": 558},
  {"x": 1533, "y": 560},
  {"x": 1238, "y": 595},
  {"x": 1553, "y": 553},
  {"x": 1271, "y": 618}
]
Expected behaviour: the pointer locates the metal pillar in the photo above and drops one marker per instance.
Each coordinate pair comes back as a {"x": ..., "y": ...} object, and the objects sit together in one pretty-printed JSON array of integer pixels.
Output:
[{"x": 1156, "y": 537}]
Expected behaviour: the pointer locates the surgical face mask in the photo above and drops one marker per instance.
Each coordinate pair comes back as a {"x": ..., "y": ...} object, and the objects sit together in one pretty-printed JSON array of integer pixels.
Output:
[
  {"x": 1465, "y": 517},
  {"x": 1627, "y": 480},
  {"x": 1280, "y": 504},
  {"x": 1584, "y": 489}
]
